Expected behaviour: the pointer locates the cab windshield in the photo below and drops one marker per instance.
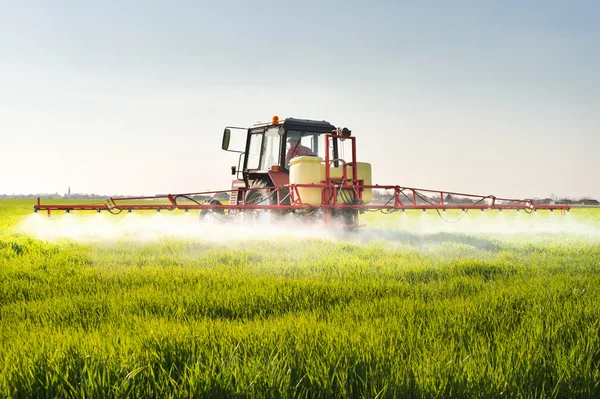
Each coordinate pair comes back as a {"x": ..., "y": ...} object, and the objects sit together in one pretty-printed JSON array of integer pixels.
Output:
[{"x": 302, "y": 143}]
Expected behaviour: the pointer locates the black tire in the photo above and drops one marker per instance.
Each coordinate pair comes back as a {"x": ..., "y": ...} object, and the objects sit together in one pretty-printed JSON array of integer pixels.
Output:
[
  {"x": 346, "y": 217},
  {"x": 260, "y": 194},
  {"x": 212, "y": 214}
]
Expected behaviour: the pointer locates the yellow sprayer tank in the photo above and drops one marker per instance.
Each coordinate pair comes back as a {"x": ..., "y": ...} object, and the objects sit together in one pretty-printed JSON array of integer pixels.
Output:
[
  {"x": 364, "y": 173},
  {"x": 308, "y": 170}
]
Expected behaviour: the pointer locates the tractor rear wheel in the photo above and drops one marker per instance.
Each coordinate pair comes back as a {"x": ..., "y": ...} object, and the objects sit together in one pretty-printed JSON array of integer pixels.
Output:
[
  {"x": 259, "y": 194},
  {"x": 209, "y": 215}
]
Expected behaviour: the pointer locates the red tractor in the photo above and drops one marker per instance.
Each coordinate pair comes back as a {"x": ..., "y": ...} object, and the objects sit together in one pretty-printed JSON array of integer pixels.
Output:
[{"x": 294, "y": 167}]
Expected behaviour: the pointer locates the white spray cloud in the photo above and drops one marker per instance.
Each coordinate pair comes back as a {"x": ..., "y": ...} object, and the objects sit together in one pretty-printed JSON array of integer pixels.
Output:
[
  {"x": 493, "y": 222},
  {"x": 148, "y": 228}
]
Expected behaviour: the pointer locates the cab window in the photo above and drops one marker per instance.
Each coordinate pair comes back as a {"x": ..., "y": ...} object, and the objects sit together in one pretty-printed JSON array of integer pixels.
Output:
[
  {"x": 270, "y": 148},
  {"x": 254, "y": 150}
]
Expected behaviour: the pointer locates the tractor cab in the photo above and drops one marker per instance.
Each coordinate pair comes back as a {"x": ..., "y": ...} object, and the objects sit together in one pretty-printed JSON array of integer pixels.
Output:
[{"x": 271, "y": 146}]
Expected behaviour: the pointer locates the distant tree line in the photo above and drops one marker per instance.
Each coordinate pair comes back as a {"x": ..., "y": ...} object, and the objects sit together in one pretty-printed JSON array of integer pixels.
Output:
[
  {"x": 76, "y": 196},
  {"x": 59, "y": 196},
  {"x": 387, "y": 196}
]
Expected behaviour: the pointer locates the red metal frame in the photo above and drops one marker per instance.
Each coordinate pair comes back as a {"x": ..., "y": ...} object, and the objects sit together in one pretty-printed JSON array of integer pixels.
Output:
[{"x": 404, "y": 198}]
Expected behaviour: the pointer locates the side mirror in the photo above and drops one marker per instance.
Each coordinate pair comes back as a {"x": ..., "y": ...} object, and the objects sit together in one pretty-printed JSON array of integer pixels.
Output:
[{"x": 226, "y": 138}]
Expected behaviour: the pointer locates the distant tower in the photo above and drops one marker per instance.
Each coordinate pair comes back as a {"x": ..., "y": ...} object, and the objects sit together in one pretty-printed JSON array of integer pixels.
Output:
[{"x": 69, "y": 192}]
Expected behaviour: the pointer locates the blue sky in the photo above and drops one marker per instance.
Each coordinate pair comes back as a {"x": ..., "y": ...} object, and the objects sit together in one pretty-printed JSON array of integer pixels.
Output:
[{"x": 132, "y": 96}]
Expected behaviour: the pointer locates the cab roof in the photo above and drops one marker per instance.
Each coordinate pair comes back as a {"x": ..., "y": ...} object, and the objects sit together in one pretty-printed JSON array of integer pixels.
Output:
[
  {"x": 302, "y": 125},
  {"x": 307, "y": 124}
]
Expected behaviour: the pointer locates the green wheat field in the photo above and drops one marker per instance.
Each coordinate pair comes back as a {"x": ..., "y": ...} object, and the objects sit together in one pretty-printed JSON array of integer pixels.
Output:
[{"x": 495, "y": 305}]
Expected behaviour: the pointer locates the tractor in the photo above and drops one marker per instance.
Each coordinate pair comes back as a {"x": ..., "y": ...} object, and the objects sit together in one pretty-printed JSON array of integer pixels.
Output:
[{"x": 297, "y": 167}]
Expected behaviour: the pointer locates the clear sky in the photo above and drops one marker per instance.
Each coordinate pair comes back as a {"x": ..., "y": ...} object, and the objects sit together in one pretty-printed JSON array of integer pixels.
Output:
[{"x": 489, "y": 97}]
